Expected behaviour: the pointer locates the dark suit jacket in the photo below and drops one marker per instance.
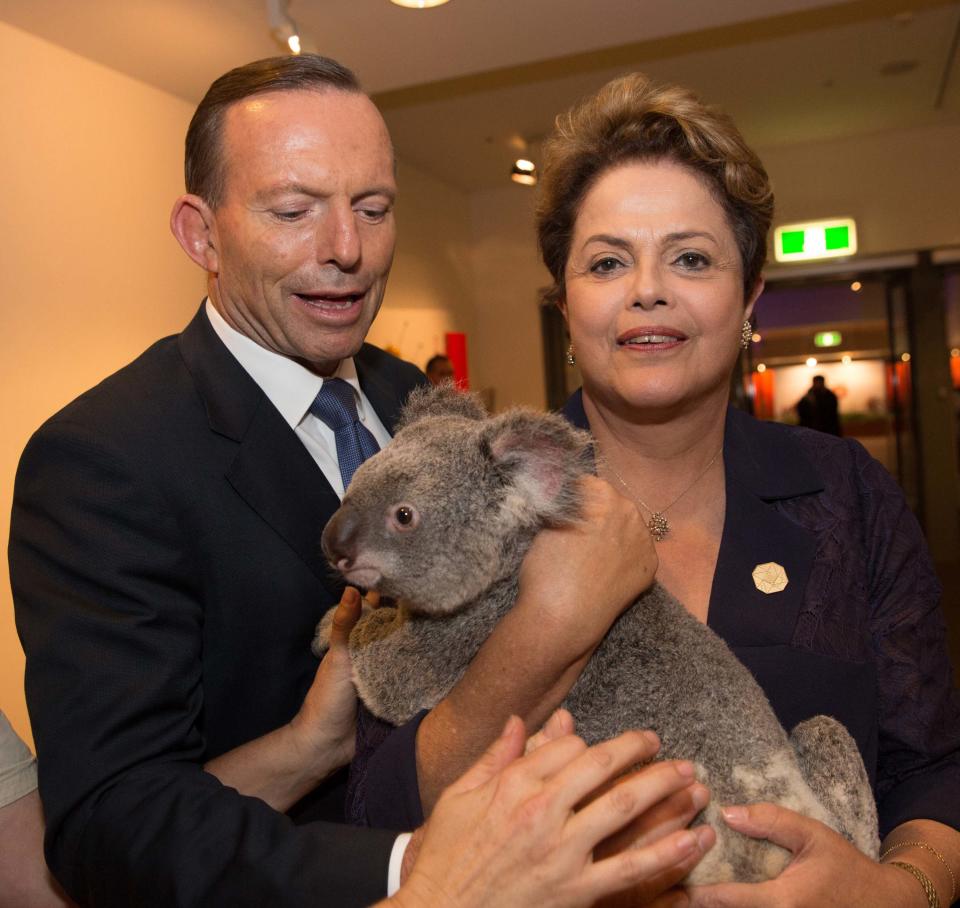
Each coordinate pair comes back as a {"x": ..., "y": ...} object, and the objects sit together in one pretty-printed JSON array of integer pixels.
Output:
[
  {"x": 167, "y": 578},
  {"x": 857, "y": 633}
]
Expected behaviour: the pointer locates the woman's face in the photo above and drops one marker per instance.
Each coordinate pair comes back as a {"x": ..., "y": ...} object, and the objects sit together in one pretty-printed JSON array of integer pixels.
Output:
[{"x": 654, "y": 290}]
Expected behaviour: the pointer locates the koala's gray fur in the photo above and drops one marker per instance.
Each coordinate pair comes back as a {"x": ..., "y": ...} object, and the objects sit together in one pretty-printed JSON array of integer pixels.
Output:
[{"x": 478, "y": 490}]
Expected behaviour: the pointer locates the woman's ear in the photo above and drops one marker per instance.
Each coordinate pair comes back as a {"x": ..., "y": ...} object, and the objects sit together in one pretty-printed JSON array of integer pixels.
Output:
[
  {"x": 753, "y": 297},
  {"x": 193, "y": 224}
]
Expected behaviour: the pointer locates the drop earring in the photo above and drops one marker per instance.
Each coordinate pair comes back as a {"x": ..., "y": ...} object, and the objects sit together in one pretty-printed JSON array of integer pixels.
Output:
[
  {"x": 746, "y": 334},
  {"x": 571, "y": 356}
]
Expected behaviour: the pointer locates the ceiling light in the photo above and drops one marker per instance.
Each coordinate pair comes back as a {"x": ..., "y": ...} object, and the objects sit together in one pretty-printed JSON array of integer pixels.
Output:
[
  {"x": 761, "y": 367},
  {"x": 283, "y": 28},
  {"x": 419, "y": 4},
  {"x": 524, "y": 172},
  {"x": 856, "y": 286},
  {"x": 905, "y": 357},
  {"x": 756, "y": 338},
  {"x": 811, "y": 361},
  {"x": 846, "y": 359}
]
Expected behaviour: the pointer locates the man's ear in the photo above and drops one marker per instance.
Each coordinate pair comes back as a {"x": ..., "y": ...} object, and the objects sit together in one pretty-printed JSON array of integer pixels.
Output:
[
  {"x": 753, "y": 297},
  {"x": 192, "y": 223}
]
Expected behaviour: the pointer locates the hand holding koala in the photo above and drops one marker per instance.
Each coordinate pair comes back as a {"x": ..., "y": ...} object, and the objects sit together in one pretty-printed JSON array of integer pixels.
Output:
[{"x": 441, "y": 521}]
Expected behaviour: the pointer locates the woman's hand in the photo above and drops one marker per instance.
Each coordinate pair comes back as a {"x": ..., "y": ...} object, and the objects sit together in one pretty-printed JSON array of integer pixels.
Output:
[
  {"x": 284, "y": 765},
  {"x": 826, "y": 870},
  {"x": 512, "y": 831},
  {"x": 582, "y": 576}
]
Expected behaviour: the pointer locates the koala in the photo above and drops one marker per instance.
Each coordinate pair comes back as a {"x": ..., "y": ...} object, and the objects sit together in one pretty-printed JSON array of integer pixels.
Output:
[{"x": 440, "y": 521}]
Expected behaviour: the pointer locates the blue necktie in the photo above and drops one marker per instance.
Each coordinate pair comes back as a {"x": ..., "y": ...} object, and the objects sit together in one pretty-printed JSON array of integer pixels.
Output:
[{"x": 336, "y": 406}]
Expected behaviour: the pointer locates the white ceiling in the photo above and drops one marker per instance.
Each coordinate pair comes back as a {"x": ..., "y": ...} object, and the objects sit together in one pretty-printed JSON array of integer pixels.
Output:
[{"x": 463, "y": 85}]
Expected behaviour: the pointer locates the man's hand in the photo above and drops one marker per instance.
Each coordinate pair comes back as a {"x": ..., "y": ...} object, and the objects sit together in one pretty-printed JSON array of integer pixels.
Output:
[
  {"x": 510, "y": 833},
  {"x": 325, "y": 727},
  {"x": 284, "y": 765}
]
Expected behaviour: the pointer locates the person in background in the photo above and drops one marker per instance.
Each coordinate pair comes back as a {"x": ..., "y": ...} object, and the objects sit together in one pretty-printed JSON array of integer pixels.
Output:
[
  {"x": 818, "y": 408},
  {"x": 797, "y": 548},
  {"x": 164, "y": 544},
  {"x": 25, "y": 881},
  {"x": 439, "y": 369}
]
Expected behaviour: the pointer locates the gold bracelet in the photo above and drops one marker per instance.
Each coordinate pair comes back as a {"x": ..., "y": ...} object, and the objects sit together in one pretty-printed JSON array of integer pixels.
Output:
[
  {"x": 928, "y": 847},
  {"x": 933, "y": 900}
]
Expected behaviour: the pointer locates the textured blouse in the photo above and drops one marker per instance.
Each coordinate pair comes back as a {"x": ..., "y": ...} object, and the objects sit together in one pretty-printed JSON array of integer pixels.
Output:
[{"x": 857, "y": 632}]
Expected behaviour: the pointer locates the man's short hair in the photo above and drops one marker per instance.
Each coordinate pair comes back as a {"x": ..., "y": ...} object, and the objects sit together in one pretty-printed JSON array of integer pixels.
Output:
[
  {"x": 203, "y": 161},
  {"x": 435, "y": 361}
]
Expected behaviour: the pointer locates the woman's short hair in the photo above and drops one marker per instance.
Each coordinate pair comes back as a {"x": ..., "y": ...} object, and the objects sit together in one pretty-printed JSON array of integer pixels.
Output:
[
  {"x": 203, "y": 161},
  {"x": 633, "y": 119}
]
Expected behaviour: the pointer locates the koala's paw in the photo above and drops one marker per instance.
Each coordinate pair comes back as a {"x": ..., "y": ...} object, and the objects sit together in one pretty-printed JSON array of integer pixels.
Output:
[{"x": 321, "y": 637}]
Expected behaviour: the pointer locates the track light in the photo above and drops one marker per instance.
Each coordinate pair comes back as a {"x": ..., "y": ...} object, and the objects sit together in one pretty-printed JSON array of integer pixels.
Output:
[
  {"x": 419, "y": 4},
  {"x": 524, "y": 172},
  {"x": 282, "y": 26}
]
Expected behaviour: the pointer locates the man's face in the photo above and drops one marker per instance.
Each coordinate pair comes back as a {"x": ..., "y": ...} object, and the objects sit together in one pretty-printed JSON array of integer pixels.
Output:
[{"x": 303, "y": 239}]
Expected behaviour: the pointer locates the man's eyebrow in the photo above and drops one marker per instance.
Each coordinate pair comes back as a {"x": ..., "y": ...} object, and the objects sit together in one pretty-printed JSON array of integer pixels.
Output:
[
  {"x": 271, "y": 192},
  {"x": 293, "y": 188},
  {"x": 389, "y": 191}
]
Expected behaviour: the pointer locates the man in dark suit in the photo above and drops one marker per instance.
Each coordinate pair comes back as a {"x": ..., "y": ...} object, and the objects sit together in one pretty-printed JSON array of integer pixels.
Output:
[{"x": 164, "y": 548}]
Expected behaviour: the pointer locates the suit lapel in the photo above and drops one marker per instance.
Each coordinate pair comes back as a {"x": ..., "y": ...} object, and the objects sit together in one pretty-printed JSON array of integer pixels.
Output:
[
  {"x": 272, "y": 470},
  {"x": 762, "y": 467},
  {"x": 379, "y": 390}
]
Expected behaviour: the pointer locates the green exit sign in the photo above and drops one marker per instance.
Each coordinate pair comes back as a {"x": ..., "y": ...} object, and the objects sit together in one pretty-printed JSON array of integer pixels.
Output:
[
  {"x": 815, "y": 240},
  {"x": 827, "y": 339}
]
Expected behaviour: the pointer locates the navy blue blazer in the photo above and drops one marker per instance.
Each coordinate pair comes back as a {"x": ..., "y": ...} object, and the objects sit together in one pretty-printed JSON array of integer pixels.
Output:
[
  {"x": 857, "y": 633},
  {"x": 167, "y": 578}
]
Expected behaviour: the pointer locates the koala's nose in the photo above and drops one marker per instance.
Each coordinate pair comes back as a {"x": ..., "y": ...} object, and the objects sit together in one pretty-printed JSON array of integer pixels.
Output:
[{"x": 339, "y": 540}]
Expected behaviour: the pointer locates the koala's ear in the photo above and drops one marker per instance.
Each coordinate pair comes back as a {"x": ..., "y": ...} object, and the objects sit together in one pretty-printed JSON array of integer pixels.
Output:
[
  {"x": 442, "y": 400},
  {"x": 541, "y": 454}
]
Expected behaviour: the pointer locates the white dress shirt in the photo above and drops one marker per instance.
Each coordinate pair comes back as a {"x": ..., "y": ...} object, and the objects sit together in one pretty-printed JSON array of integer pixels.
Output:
[{"x": 291, "y": 388}]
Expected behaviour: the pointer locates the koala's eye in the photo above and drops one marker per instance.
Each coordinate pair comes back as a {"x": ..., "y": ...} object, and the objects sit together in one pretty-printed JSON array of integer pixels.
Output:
[{"x": 404, "y": 517}]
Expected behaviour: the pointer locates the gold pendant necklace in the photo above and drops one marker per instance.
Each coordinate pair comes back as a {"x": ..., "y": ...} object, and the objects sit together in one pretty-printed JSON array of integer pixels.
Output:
[{"x": 658, "y": 524}]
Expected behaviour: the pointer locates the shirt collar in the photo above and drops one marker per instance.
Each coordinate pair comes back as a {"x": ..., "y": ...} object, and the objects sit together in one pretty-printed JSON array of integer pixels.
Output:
[{"x": 289, "y": 386}]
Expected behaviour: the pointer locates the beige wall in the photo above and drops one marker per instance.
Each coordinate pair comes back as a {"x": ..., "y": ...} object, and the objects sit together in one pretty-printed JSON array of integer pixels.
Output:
[
  {"x": 902, "y": 188},
  {"x": 91, "y": 161},
  {"x": 430, "y": 291},
  {"x": 507, "y": 276}
]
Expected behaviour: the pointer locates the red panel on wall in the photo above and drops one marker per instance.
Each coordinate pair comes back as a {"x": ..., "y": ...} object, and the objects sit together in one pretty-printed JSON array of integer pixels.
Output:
[{"x": 456, "y": 342}]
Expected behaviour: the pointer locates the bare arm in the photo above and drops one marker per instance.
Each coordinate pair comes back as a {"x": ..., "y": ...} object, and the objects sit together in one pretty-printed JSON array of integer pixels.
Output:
[
  {"x": 25, "y": 880},
  {"x": 286, "y": 764},
  {"x": 574, "y": 583}
]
